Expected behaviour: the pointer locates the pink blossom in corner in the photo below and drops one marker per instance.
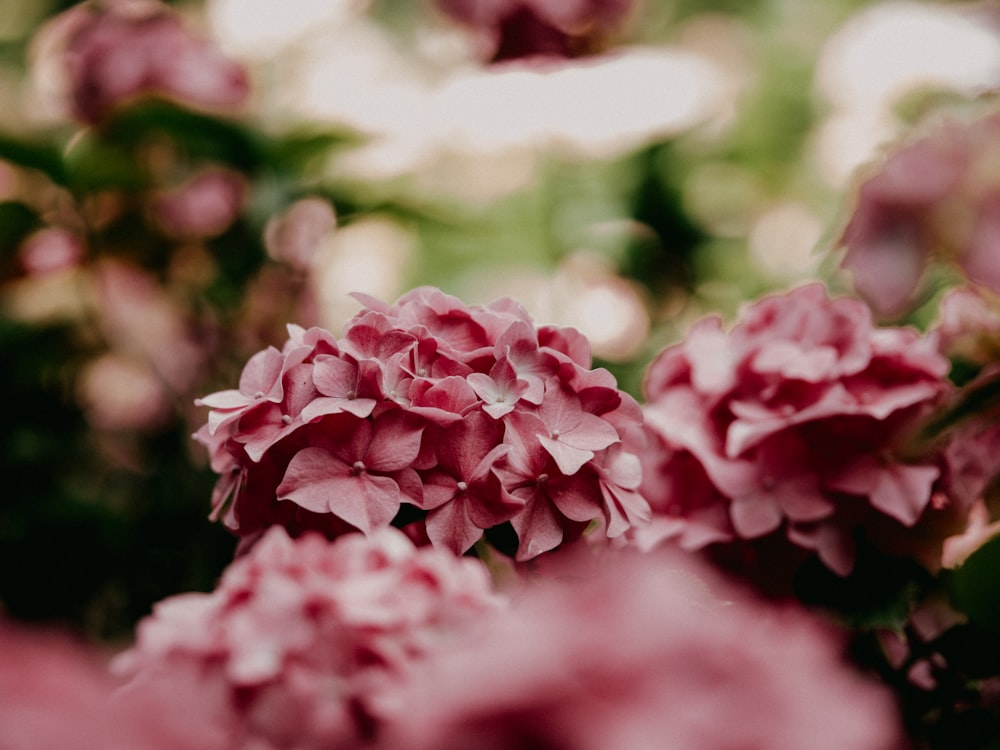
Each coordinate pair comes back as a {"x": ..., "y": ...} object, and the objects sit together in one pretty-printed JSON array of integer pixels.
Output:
[
  {"x": 799, "y": 445},
  {"x": 674, "y": 659},
  {"x": 306, "y": 643},
  {"x": 364, "y": 430},
  {"x": 932, "y": 199},
  {"x": 114, "y": 51}
]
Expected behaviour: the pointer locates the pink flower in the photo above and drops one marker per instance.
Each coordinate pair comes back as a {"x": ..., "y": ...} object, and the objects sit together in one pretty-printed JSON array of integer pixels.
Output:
[
  {"x": 967, "y": 326},
  {"x": 428, "y": 410},
  {"x": 512, "y": 29},
  {"x": 296, "y": 236},
  {"x": 205, "y": 206},
  {"x": 117, "y": 50},
  {"x": 49, "y": 250},
  {"x": 933, "y": 198},
  {"x": 795, "y": 437},
  {"x": 643, "y": 652},
  {"x": 305, "y": 643}
]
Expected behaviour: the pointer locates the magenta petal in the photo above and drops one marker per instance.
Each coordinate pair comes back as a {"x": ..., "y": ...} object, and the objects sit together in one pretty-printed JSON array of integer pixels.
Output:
[
  {"x": 834, "y": 548},
  {"x": 981, "y": 259},
  {"x": 903, "y": 492},
  {"x": 262, "y": 374},
  {"x": 755, "y": 515},
  {"x": 451, "y": 527},
  {"x": 567, "y": 458},
  {"x": 229, "y": 399},
  {"x": 312, "y": 479},
  {"x": 395, "y": 442},
  {"x": 317, "y": 481},
  {"x": 575, "y": 498},
  {"x": 537, "y": 528},
  {"x": 886, "y": 260}
]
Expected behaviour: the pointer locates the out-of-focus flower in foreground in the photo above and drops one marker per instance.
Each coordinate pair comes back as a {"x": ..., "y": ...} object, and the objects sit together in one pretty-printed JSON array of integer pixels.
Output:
[
  {"x": 791, "y": 430},
  {"x": 643, "y": 652},
  {"x": 106, "y": 53},
  {"x": 305, "y": 642},
  {"x": 54, "y": 692},
  {"x": 461, "y": 418}
]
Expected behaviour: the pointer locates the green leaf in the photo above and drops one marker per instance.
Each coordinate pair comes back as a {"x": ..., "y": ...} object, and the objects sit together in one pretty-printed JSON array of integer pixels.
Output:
[
  {"x": 978, "y": 398},
  {"x": 198, "y": 135},
  {"x": 16, "y": 221},
  {"x": 975, "y": 586},
  {"x": 43, "y": 156}
]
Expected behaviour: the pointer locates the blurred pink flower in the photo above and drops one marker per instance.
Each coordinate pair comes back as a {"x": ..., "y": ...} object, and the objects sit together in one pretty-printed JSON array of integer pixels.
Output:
[
  {"x": 296, "y": 236},
  {"x": 933, "y": 198},
  {"x": 113, "y": 51},
  {"x": 203, "y": 207},
  {"x": 789, "y": 429},
  {"x": 468, "y": 416},
  {"x": 967, "y": 326},
  {"x": 137, "y": 316},
  {"x": 50, "y": 249},
  {"x": 120, "y": 393},
  {"x": 305, "y": 642},
  {"x": 512, "y": 29},
  {"x": 642, "y": 651}
]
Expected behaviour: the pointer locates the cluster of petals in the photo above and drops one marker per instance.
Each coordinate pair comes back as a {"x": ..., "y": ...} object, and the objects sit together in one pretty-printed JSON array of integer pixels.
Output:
[
  {"x": 934, "y": 197},
  {"x": 672, "y": 659},
  {"x": 515, "y": 29},
  {"x": 795, "y": 427},
  {"x": 967, "y": 326},
  {"x": 456, "y": 418},
  {"x": 112, "y": 51},
  {"x": 305, "y": 642}
]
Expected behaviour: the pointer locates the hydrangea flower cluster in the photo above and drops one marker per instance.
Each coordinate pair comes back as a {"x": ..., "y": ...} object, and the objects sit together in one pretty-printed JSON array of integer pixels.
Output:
[
  {"x": 792, "y": 426},
  {"x": 111, "y": 51},
  {"x": 933, "y": 197},
  {"x": 305, "y": 642},
  {"x": 661, "y": 663},
  {"x": 456, "y": 418}
]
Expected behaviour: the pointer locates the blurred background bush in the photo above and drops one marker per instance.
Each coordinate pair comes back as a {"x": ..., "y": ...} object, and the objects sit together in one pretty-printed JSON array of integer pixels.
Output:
[{"x": 178, "y": 182}]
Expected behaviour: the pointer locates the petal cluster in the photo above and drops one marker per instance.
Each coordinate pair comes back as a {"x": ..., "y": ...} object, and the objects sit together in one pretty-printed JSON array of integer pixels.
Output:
[
  {"x": 516, "y": 29},
  {"x": 305, "y": 642},
  {"x": 670, "y": 660},
  {"x": 457, "y": 418},
  {"x": 791, "y": 427},
  {"x": 114, "y": 51},
  {"x": 935, "y": 197}
]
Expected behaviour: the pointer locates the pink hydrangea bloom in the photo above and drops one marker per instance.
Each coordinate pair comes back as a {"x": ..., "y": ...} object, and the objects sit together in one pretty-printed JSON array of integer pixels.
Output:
[
  {"x": 116, "y": 50},
  {"x": 789, "y": 430},
  {"x": 513, "y": 29},
  {"x": 464, "y": 418},
  {"x": 304, "y": 643},
  {"x": 673, "y": 659},
  {"x": 932, "y": 198}
]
